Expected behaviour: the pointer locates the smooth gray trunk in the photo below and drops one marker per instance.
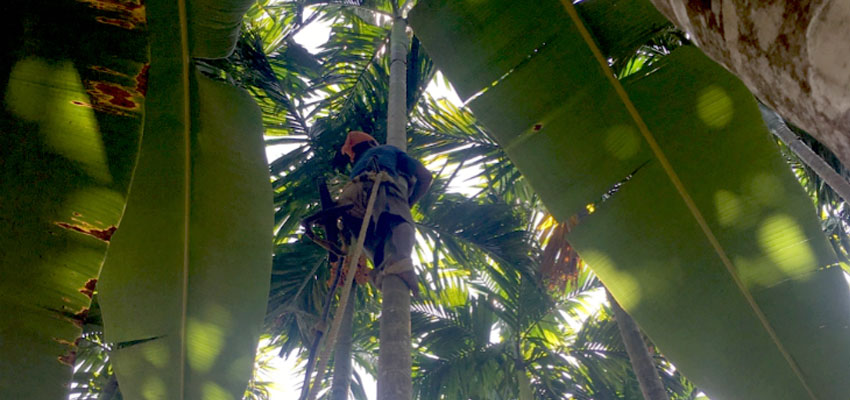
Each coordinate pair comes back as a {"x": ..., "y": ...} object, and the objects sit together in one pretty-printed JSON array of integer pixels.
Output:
[
  {"x": 647, "y": 375},
  {"x": 525, "y": 390},
  {"x": 394, "y": 359},
  {"x": 342, "y": 351},
  {"x": 397, "y": 106}
]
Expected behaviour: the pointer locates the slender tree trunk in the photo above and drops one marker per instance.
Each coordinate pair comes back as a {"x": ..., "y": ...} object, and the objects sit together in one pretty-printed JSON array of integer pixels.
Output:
[
  {"x": 523, "y": 382},
  {"x": 647, "y": 375},
  {"x": 342, "y": 351},
  {"x": 397, "y": 110},
  {"x": 525, "y": 390},
  {"x": 394, "y": 360}
]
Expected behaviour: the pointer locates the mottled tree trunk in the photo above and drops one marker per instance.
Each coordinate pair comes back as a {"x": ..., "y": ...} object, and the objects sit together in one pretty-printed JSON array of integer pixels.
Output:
[
  {"x": 394, "y": 360},
  {"x": 647, "y": 375},
  {"x": 342, "y": 351},
  {"x": 794, "y": 55}
]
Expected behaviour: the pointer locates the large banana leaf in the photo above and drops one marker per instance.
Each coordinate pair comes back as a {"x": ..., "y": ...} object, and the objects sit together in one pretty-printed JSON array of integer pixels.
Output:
[
  {"x": 72, "y": 82},
  {"x": 712, "y": 246},
  {"x": 184, "y": 287}
]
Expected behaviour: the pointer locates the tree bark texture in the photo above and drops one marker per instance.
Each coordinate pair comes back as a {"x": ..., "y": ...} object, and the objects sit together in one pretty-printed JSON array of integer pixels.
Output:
[
  {"x": 342, "y": 351},
  {"x": 794, "y": 55},
  {"x": 647, "y": 375},
  {"x": 397, "y": 106},
  {"x": 394, "y": 359}
]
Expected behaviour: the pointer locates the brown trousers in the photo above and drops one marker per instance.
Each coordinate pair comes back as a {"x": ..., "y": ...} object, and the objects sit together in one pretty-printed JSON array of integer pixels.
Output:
[{"x": 391, "y": 234}]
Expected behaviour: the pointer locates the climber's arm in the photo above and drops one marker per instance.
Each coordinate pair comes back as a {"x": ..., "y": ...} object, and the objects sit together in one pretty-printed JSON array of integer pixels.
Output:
[{"x": 423, "y": 181}]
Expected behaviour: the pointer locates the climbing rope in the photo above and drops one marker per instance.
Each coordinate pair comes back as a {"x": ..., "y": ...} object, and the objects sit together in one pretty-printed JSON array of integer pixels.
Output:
[{"x": 354, "y": 259}]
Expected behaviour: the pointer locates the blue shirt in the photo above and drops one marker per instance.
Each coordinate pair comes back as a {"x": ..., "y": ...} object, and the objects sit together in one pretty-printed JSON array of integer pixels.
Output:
[{"x": 388, "y": 158}]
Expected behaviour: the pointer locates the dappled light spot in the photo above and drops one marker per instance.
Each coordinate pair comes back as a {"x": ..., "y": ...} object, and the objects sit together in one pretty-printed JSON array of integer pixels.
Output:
[
  {"x": 154, "y": 388},
  {"x": 752, "y": 273},
  {"x": 622, "y": 141},
  {"x": 758, "y": 272},
  {"x": 622, "y": 284},
  {"x": 240, "y": 367},
  {"x": 767, "y": 189},
  {"x": 729, "y": 207},
  {"x": 205, "y": 337},
  {"x": 715, "y": 107},
  {"x": 212, "y": 391},
  {"x": 156, "y": 353},
  {"x": 50, "y": 94},
  {"x": 785, "y": 244},
  {"x": 204, "y": 342}
]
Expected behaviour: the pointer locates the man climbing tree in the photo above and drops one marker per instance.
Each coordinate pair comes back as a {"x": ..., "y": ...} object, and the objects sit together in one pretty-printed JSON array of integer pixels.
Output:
[
  {"x": 391, "y": 234},
  {"x": 403, "y": 181},
  {"x": 387, "y": 237}
]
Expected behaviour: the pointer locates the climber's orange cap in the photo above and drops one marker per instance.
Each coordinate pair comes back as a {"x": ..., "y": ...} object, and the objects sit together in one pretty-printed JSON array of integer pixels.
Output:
[{"x": 354, "y": 138}]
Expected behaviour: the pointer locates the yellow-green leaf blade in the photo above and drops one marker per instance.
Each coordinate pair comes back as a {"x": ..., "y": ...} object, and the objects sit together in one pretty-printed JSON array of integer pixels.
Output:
[
  {"x": 72, "y": 82},
  {"x": 228, "y": 261},
  {"x": 185, "y": 284}
]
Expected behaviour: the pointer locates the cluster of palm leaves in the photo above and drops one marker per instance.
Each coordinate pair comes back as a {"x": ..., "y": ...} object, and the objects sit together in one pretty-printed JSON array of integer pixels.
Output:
[
  {"x": 488, "y": 319},
  {"x": 490, "y": 324}
]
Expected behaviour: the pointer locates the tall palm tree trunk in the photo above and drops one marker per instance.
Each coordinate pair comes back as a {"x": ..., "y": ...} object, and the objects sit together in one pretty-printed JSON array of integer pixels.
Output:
[
  {"x": 525, "y": 390},
  {"x": 394, "y": 360},
  {"x": 647, "y": 375},
  {"x": 342, "y": 351},
  {"x": 397, "y": 102}
]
